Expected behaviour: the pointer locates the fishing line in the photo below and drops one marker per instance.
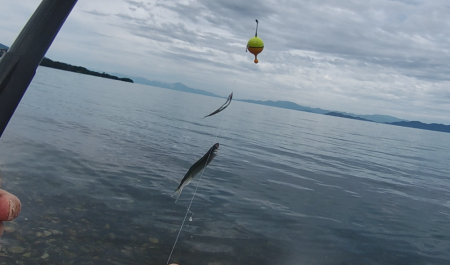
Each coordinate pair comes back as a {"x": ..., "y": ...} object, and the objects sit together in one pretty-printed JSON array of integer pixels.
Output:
[{"x": 193, "y": 196}]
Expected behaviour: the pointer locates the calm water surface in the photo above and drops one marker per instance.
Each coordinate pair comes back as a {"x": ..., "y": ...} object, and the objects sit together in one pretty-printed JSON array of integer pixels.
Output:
[{"x": 95, "y": 161}]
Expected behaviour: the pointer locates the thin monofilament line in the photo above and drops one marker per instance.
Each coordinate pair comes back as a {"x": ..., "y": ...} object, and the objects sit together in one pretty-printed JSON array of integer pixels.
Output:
[{"x": 193, "y": 196}]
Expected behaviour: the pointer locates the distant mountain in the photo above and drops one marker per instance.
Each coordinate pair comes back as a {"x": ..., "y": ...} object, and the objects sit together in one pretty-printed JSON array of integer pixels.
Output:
[
  {"x": 181, "y": 87},
  {"x": 425, "y": 126},
  {"x": 380, "y": 118},
  {"x": 285, "y": 105},
  {"x": 293, "y": 106},
  {"x": 173, "y": 86},
  {"x": 337, "y": 114},
  {"x": 375, "y": 118}
]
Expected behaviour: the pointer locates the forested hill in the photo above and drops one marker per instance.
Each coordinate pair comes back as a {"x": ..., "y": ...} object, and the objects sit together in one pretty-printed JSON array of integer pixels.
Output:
[
  {"x": 425, "y": 126},
  {"x": 78, "y": 69},
  {"x": 337, "y": 114}
]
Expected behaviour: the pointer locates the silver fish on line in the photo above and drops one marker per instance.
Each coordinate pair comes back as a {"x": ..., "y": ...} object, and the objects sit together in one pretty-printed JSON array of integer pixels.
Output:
[
  {"x": 196, "y": 168},
  {"x": 224, "y": 106}
]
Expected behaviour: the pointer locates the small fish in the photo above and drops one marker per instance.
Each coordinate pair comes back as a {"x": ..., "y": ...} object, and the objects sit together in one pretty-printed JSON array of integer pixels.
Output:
[
  {"x": 196, "y": 168},
  {"x": 224, "y": 106}
]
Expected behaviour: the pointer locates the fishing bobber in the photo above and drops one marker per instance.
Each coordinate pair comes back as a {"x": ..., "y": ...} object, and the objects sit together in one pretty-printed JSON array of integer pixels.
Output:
[
  {"x": 255, "y": 45},
  {"x": 9, "y": 206}
]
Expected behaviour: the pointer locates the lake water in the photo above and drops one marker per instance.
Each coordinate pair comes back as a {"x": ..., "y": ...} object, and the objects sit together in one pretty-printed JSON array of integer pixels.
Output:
[{"x": 94, "y": 162}]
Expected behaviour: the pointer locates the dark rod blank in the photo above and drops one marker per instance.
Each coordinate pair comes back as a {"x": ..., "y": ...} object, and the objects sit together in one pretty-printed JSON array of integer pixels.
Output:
[{"x": 18, "y": 65}]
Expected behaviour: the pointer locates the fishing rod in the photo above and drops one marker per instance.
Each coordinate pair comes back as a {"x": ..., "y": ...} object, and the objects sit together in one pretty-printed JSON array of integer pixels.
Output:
[{"x": 18, "y": 65}]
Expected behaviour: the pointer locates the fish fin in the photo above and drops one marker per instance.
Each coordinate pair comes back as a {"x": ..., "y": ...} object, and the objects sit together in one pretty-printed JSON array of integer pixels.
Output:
[{"x": 176, "y": 193}]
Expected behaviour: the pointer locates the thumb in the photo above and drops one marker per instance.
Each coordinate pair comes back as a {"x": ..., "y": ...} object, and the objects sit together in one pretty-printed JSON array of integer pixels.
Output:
[{"x": 9, "y": 206}]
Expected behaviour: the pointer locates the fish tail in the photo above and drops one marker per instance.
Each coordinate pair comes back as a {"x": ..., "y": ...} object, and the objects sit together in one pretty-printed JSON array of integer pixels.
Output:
[{"x": 176, "y": 193}]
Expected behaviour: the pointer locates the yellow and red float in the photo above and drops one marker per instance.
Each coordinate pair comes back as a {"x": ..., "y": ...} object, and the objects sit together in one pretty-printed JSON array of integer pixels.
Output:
[{"x": 255, "y": 45}]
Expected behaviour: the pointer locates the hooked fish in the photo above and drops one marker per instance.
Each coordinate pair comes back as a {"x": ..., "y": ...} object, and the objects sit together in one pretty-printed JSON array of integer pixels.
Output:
[
  {"x": 230, "y": 97},
  {"x": 196, "y": 168}
]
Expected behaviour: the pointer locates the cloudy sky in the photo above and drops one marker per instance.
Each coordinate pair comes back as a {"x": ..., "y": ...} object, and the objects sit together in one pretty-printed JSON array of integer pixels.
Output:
[{"x": 362, "y": 56}]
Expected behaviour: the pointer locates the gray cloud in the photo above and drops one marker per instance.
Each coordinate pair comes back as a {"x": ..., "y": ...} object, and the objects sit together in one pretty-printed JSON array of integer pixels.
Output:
[
  {"x": 136, "y": 4},
  {"x": 96, "y": 13},
  {"x": 393, "y": 34}
]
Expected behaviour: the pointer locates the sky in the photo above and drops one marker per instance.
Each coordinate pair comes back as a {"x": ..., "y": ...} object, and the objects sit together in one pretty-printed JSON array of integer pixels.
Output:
[{"x": 387, "y": 57}]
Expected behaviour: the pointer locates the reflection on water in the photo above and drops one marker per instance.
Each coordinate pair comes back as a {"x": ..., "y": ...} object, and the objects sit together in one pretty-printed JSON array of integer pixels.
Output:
[{"x": 94, "y": 162}]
